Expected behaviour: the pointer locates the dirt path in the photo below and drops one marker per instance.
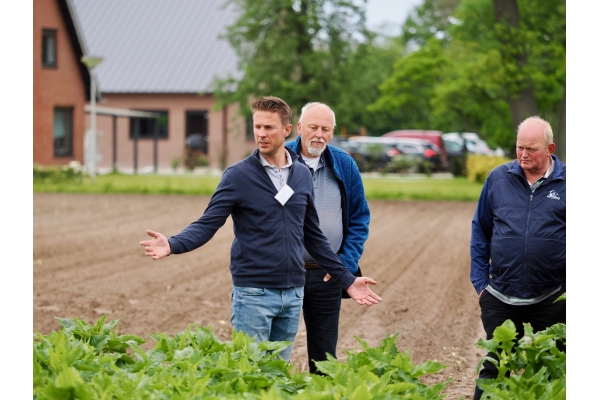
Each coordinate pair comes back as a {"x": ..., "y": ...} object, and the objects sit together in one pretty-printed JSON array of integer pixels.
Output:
[{"x": 87, "y": 261}]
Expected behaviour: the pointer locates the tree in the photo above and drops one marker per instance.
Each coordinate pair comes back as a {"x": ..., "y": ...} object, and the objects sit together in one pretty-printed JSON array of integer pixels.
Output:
[
  {"x": 484, "y": 67},
  {"x": 299, "y": 50}
]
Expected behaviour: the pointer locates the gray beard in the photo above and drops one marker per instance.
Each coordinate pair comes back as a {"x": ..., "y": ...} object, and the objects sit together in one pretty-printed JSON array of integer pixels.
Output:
[{"x": 314, "y": 151}]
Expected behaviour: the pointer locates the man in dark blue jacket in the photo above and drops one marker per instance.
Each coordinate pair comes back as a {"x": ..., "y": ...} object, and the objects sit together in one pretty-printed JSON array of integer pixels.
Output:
[
  {"x": 270, "y": 198},
  {"x": 518, "y": 238},
  {"x": 344, "y": 218}
]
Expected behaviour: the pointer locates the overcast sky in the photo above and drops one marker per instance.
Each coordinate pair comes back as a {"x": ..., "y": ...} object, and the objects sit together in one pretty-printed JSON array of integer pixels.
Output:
[{"x": 389, "y": 13}]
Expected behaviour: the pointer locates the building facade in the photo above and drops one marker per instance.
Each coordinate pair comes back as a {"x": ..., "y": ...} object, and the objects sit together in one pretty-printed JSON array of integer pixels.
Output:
[{"x": 60, "y": 85}]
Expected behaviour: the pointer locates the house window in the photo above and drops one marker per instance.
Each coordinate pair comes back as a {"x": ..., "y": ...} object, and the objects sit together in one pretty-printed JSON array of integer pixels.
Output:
[
  {"x": 49, "y": 48},
  {"x": 63, "y": 131},
  {"x": 145, "y": 127}
]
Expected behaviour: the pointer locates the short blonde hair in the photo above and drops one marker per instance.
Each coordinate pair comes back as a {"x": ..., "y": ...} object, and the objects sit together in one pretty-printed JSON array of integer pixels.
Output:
[
  {"x": 273, "y": 104},
  {"x": 548, "y": 135}
]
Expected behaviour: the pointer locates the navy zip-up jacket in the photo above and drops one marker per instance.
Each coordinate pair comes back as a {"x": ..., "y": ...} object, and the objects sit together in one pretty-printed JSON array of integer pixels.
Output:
[
  {"x": 355, "y": 210},
  {"x": 518, "y": 238},
  {"x": 269, "y": 237}
]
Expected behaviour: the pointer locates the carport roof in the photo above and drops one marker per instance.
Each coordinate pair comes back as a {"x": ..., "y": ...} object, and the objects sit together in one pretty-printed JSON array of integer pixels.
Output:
[{"x": 158, "y": 46}]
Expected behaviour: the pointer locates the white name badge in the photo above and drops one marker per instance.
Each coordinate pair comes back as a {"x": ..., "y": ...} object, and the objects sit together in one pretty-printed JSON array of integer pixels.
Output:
[{"x": 284, "y": 194}]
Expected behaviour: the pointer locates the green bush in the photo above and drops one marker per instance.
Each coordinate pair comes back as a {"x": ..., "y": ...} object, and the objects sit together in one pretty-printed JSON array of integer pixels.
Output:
[
  {"x": 534, "y": 367},
  {"x": 85, "y": 361},
  {"x": 70, "y": 173},
  {"x": 401, "y": 164},
  {"x": 479, "y": 166},
  {"x": 457, "y": 166},
  {"x": 194, "y": 158},
  {"x": 175, "y": 163}
]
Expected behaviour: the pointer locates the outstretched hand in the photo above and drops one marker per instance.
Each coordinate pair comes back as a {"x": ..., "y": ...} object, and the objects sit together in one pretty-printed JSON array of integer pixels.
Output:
[
  {"x": 158, "y": 247},
  {"x": 361, "y": 293}
]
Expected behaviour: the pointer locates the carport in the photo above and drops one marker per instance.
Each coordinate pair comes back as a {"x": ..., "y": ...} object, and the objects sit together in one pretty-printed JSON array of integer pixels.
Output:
[{"x": 127, "y": 113}]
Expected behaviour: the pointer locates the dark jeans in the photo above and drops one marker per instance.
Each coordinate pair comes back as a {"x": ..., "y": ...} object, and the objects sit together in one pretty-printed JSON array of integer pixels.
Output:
[
  {"x": 321, "y": 310},
  {"x": 541, "y": 316}
]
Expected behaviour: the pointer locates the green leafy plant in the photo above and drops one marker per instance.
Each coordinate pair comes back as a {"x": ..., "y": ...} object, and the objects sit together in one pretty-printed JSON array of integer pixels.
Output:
[
  {"x": 379, "y": 372},
  {"x": 479, "y": 166},
  {"x": 194, "y": 158},
  {"x": 532, "y": 368},
  {"x": 73, "y": 172},
  {"x": 84, "y": 361},
  {"x": 175, "y": 162},
  {"x": 401, "y": 164}
]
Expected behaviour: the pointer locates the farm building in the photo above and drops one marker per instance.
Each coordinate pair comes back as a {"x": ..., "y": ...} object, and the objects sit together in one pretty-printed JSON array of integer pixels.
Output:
[
  {"x": 159, "y": 56},
  {"x": 61, "y": 84}
]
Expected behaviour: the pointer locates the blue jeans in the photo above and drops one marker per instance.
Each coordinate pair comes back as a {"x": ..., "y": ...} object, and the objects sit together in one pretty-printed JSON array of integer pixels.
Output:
[
  {"x": 268, "y": 314},
  {"x": 322, "y": 303}
]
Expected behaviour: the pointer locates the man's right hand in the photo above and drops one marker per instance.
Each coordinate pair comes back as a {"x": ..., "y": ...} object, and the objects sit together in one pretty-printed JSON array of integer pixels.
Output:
[
  {"x": 361, "y": 293},
  {"x": 158, "y": 247}
]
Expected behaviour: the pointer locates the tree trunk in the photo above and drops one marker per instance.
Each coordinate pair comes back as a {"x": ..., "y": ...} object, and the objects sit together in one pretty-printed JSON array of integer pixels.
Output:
[
  {"x": 560, "y": 135},
  {"x": 522, "y": 100}
]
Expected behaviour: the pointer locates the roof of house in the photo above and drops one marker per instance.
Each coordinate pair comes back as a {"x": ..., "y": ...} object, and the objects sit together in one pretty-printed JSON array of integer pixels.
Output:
[{"x": 158, "y": 46}]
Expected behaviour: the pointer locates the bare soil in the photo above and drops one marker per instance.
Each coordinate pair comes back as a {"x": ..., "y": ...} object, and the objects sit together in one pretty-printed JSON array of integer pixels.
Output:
[{"x": 88, "y": 261}]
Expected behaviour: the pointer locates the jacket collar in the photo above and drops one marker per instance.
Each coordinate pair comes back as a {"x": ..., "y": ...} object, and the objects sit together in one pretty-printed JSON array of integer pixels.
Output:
[
  {"x": 293, "y": 155},
  {"x": 556, "y": 174}
]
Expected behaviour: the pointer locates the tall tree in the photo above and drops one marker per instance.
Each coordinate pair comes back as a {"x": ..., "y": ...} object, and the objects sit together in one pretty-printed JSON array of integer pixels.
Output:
[
  {"x": 482, "y": 69},
  {"x": 293, "y": 49}
]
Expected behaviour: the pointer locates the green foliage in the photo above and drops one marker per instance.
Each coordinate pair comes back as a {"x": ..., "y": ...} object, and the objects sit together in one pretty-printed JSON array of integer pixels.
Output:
[
  {"x": 479, "y": 166},
  {"x": 410, "y": 87},
  {"x": 296, "y": 50},
  {"x": 401, "y": 164},
  {"x": 467, "y": 68},
  {"x": 175, "y": 163},
  {"x": 458, "y": 166},
  {"x": 311, "y": 50},
  {"x": 532, "y": 368},
  {"x": 194, "y": 158},
  {"x": 379, "y": 371},
  {"x": 71, "y": 173},
  {"x": 84, "y": 361}
]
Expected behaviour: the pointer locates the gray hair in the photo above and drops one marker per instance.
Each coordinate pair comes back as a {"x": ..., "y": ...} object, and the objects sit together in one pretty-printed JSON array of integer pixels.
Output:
[
  {"x": 314, "y": 103},
  {"x": 548, "y": 135}
]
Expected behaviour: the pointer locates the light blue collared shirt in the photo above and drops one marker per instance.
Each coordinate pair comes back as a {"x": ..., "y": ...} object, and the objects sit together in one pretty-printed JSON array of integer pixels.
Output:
[{"x": 278, "y": 176}]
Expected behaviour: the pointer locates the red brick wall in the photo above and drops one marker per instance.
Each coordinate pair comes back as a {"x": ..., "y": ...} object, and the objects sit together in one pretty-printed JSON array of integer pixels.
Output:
[
  {"x": 62, "y": 86},
  {"x": 177, "y": 105}
]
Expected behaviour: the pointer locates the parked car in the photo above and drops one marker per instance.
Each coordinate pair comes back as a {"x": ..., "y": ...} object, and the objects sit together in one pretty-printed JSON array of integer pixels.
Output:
[
  {"x": 433, "y": 136},
  {"x": 389, "y": 147},
  {"x": 420, "y": 149},
  {"x": 475, "y": 145},
  {"x": 370, "y": 152},
  {"x": 340, "y": 142}
]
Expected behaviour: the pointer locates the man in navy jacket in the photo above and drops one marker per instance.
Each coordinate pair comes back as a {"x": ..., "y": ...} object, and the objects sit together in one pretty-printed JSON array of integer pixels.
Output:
[
  {"x": 518, "y": 239},
  {"x": 270, "y": 198},
  {"x": 344, "y": 218}
]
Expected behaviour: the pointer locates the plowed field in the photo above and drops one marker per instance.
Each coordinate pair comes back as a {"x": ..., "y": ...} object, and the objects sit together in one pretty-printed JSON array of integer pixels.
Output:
[{"x": 88, "y": 261}]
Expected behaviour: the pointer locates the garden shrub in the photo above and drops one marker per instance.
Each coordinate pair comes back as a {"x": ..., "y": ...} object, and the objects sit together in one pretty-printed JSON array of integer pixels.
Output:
[
  {"x": 73, "y": 172},
  {"x": 401, "y": 164},
  {"x": 194, "y": 158},
  {"x": 84, "y": 361},
  {"x": 479, "y": 166},
  {"x": 532, "y": 368}
]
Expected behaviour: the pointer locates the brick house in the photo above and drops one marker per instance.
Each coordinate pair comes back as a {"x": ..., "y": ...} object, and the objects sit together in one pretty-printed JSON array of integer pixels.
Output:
[
  {"x": 161, "y": 56},
  {"x": 61, "y": 84}
]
